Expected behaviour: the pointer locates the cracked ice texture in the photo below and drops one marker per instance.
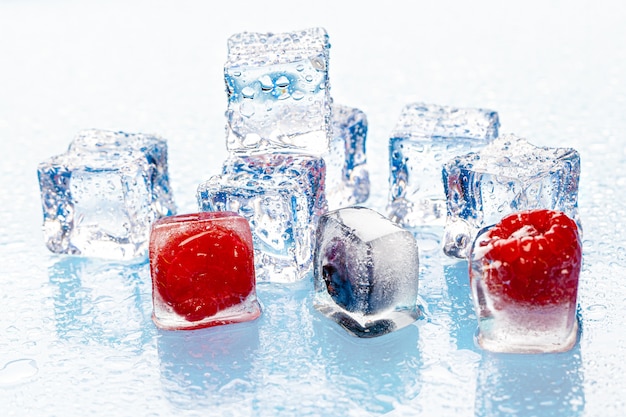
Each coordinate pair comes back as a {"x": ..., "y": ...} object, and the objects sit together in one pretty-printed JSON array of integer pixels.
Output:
[
  {"x": 278, "y": 92},
  {"x": 508, "y": 175},
  {"x": 366, "y": 271},
  {"x": 424, "y": 137},
  {"x": 100, "y": 197}
]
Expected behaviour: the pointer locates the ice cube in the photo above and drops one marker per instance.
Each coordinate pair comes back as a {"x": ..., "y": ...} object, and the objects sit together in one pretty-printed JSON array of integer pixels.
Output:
[
  {"x": 278, "y": 92},
  {"x": 202, "y": 270},
  {"x": 508, "y": 175},
  {"x": 424, "y": 137},
  {"x": 366, "y": 271},
  {"x": 524, "y": 273},
  {"x": 100, "y": 197},
  {"x": 282, "y": 196},
  {"x": 347, "y": 176}
]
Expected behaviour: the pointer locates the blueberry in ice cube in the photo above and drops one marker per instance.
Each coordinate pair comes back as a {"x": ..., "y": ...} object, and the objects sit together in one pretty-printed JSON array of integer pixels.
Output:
[{"x": 366, "y": 271}]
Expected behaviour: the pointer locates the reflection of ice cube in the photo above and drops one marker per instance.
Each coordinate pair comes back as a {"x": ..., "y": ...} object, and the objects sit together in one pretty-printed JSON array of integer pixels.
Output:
[
  {"x": 366, "y": 272},
  {"x": 100, "y": 303},
  {"x": 278, "y": 92},
  {"x": 347, "y": 177},
  {"x": 100, "y": 197},
  {"x": 507, "y": 176},
  {"x": 424, "y": 137},
  {"x": 212, "y": 368},
  {"x": 508, "y": 385},
  {"x": 282, "y": 196}
]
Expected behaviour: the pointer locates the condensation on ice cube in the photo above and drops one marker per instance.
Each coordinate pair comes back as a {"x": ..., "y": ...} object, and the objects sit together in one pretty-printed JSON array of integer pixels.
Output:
[
  {"x": 423, "y": 139},
  {"x": 508, "y": 175},
  {"x": 282, "y": 196},
  {"x": 366, "y": 271},
  {"x": 278, "y": 92},
  {"x": 347, "y": 175},
  {"x": 100, "y": 198}
]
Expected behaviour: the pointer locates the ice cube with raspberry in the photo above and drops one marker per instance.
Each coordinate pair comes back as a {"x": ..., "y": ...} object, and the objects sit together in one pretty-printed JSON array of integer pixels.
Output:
[
  {"x": 202, "y": 270},
  {"x": 524, "y": 274}
]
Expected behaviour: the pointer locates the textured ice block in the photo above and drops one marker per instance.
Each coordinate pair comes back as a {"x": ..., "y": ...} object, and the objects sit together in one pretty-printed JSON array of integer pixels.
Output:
[
  {"x": 100, "y": 197},
  {"x": 507, "y": 176},
  {"x": 202, "y": 269},
  {"x": 282, "y": 196},
  {"x": 347, "y": 175},
  {"x": 366, "y": 271},
  {"x": 524, "y": 274},
  {"x": 278, "y": 92},
  {"x": 424, "y": 137}
]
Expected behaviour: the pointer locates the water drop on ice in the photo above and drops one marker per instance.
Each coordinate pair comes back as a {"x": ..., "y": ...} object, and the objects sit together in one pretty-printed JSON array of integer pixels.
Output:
[{"x": 248, "y": 92}]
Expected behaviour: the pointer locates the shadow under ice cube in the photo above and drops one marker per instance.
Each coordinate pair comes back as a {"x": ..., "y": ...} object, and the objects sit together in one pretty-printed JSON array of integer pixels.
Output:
[
  {"x": 423, "y": 139},
  {"x": 278, "y": 92},
  {"x": 347, "y": 176},
  {"x": 366, "y": 271},
  {"x": 507, "y": 176},
  {"x": 282, "y": 196},
  {"x": 100, "y": 198}
]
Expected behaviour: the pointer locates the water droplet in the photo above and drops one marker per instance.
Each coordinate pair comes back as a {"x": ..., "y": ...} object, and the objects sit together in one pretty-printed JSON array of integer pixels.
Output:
[
  {"x": 595, "y": 312},
  {"x": 247, "y": 109},
  {"x": 266, "y": 83},
  {"x": 318, "y": 63},
  {"x": 248, "y": 92},
  {"x": 282, "y": 81},
  {"x": 18, "y": 371},
  {"x": 300, "y": 67}
]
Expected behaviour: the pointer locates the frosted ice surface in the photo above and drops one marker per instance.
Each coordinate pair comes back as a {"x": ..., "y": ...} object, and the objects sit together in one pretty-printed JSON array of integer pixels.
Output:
[
  {"x": 508, "y": 175},
  {"x": 101, "y": 196},
  {"x": 347, "y": 175},
  {"x": 366, "y": 272},
  {"x": 282, "y": 196},
  {"x": 278, "y": 92},
  {"x": 424, "y": 137}
]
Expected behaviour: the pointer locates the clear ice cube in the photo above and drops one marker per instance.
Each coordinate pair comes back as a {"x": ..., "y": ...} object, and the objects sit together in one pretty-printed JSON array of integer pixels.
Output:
[
  {"x": 508, "y": 175},
  {"x": 424, "y": 137},
  {"x": 282, "y": 196},
  {"x": 100, "y": 198},
  {"x": 278, "y": 92},
  {"x": 366, "y": 271},
  {"x": 347, "y": 176}
]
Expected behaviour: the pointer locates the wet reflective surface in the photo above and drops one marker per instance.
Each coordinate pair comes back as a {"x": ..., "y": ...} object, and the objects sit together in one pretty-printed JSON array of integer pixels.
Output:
[{"x": 80, "y": 329}]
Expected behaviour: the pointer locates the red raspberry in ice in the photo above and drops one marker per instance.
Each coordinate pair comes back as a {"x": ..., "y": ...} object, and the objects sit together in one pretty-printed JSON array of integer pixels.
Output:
[
  {"x": 201, "y": 265},
  {"x": 532, "y": 257}
]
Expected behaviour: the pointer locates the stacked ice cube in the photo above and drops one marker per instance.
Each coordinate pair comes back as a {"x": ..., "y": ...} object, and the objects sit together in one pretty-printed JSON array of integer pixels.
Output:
[
  {"x": 282, "y": 196},
  {"x": 424, "y": 138},
  {"x": 288, "y": 147},
  {"x": 278, "y": 92},
  {"x": 100, "y": 197}
]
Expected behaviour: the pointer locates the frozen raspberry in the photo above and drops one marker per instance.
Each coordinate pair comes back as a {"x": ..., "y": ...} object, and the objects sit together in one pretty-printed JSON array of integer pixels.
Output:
[
  {"x": 532, "y": 257},
  {"x": 203, "y": 263}
]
